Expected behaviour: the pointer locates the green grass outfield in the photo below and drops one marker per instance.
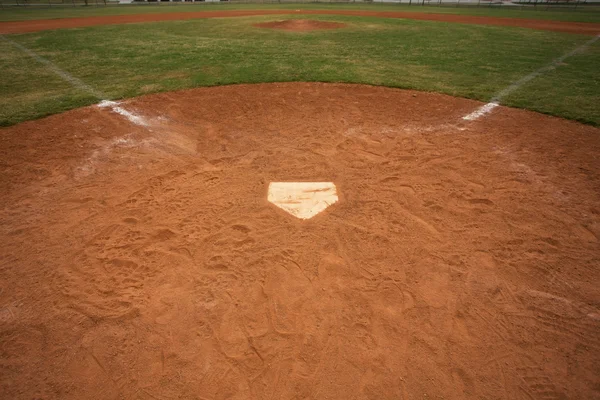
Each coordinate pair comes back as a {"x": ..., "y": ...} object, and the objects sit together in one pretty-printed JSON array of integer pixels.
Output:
[
  {"x": 470, "y": 61},
  {"x": 586, "y": 13}
]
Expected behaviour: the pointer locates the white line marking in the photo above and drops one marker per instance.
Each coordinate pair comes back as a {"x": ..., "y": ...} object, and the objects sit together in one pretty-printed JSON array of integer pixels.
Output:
[
  {"x": 495, "y": 101},
  {"x": 79, "y": 84},
  {"x": 481, "y": 111},
  {"x": 114, "y": 106}
]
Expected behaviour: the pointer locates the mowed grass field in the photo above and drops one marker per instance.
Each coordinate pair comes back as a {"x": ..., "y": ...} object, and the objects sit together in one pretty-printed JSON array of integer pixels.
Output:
[{"x": 129, "y": 60}]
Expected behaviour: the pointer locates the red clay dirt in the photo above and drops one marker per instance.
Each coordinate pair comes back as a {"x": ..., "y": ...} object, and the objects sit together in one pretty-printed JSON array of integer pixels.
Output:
[
  {"x": 300, "y": 25},
  {"x": 461, "y": 261},
  {"x": 40, "y": 25}
]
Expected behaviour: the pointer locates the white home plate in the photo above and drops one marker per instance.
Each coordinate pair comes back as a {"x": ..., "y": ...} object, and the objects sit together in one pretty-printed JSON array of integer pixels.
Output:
[{"x": 302, "y": 199}]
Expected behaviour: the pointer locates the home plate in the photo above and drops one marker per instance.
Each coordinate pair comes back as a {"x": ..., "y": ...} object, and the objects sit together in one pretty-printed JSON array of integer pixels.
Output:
[{"x": 303, "y": 200}]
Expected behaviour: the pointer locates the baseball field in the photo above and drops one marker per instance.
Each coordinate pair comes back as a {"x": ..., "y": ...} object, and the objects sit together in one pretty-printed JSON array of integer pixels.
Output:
[{"x": 299, "y": 201}]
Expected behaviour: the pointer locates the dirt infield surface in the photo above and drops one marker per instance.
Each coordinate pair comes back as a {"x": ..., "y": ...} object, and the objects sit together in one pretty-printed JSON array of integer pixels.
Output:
[
  {"x": 300, "y": 25},
  {"x": 461, "y": 260},
  {"x": 40, "y": 25}
]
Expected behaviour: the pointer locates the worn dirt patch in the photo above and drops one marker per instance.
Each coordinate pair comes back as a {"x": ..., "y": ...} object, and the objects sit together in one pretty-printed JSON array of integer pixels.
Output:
[
  {"x": 300, "y": 25},
  {"x": 460, "y": 262}
]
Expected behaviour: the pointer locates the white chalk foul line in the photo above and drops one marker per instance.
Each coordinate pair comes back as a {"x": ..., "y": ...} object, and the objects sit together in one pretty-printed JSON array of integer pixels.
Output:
[
  {"x": 495, "y": 101},
  {"x": 79, "y": 84},
  {"x": 481, "y": 111},
  {"x": 114, "y": 106}
]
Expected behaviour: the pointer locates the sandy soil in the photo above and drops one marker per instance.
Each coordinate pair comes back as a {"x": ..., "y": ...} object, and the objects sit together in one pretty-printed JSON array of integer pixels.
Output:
[
  {"x": 300, "y": 25},
  {"x": 461, "y": 261},
  {"x": 40, "y": 25}
]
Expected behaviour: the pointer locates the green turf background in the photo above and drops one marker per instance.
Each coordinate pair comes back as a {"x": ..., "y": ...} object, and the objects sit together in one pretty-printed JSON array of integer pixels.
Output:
[{"x": 462, "y": 60}]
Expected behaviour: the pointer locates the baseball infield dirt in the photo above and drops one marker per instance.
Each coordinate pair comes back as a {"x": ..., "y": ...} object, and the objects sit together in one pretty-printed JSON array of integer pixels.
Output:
[
  {"x": 144, "y": 261},
  {"x": 40, "y": 25},
  {"x": 300, "y": 25}
]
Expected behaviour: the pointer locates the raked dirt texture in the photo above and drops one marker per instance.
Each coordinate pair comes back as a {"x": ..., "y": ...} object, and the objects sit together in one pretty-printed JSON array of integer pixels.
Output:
[{"x": 145, "y": 261}]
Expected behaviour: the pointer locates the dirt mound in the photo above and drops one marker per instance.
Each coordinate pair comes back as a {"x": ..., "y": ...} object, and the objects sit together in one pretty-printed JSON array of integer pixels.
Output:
[
  {"x": 461, "y": 260},
  {"x": 300, "y": 25}
]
